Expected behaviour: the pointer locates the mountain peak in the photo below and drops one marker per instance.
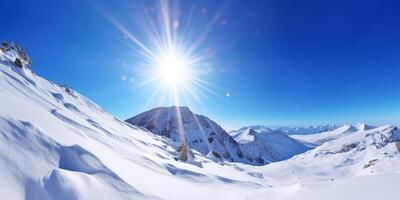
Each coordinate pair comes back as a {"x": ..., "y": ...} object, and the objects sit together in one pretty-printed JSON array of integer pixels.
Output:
[{"x": 181, "y": 125}]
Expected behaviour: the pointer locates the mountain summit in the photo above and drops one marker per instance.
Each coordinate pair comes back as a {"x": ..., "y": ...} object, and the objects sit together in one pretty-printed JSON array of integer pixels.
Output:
[{"x": 200, "y": 133}]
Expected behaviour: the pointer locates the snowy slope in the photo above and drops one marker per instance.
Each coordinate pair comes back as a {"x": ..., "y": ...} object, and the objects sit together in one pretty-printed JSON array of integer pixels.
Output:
[
  {"x": 268, "y": 146},
  {"x": 57, "y": 144},
  {"x": 378, "y": 187},
  {"x": 362, "y": 165},
  {"x": 366, "y": 152}
]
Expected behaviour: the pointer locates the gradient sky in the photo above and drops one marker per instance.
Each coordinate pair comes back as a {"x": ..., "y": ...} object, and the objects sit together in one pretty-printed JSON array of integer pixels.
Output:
[{"x": 282, "y": 62}]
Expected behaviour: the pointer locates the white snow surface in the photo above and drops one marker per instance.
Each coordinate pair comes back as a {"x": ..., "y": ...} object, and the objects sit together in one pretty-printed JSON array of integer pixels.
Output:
[{"x": 57, "y": 144}]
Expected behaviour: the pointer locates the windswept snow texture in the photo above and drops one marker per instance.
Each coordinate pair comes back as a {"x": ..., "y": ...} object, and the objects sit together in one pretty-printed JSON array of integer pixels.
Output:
[{"x": 57, "y": 144}]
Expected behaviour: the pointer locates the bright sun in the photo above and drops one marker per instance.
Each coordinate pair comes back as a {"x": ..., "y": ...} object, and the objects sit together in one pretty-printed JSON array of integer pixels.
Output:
[
  {"x": 173, "y": 69},
  {"x": 170, "y": 56}
]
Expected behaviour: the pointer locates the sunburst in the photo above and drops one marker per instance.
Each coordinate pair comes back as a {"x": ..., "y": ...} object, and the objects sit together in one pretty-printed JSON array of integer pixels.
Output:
[{"x": 170, "y": 58}]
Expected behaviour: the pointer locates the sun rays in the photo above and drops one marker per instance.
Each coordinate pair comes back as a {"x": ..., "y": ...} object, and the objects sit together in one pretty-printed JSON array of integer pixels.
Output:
[{"x": 172, "y": 56}]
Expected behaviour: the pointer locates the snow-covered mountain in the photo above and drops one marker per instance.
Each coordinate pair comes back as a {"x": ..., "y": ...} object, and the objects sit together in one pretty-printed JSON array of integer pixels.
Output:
[
  {"x": 290, "y": 130},
  {"x": 267, "y": 146},
  {"x": 363, "y": 152},
  {"x": 361, "y": 165},
  {"x": 320, "y": 138},
  {"x": 181, "y": 125},
  {"x": 305, "y": 130}
]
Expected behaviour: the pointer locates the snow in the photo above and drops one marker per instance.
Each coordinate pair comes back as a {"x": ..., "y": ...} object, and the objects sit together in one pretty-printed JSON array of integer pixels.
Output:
[
  {"x": 57, "y": 144},
  {"x": 384, "y": 186},
  {"x": 323, "y": 137},
  {"x": 181, "y": 125},
  {"x": 320, "y": 138},
  {"x": 268, "y": 145},
  {"x": 297, "y": 130}
]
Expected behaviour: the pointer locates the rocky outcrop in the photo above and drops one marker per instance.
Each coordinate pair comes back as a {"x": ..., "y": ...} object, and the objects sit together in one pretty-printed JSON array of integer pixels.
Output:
[{"x": 16, "y": 54}]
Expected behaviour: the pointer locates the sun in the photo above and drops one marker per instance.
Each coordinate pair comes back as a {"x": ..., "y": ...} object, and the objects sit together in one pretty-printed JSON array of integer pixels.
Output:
[
  {"x": 173, "y": 69},
  {"x": 172, "y": 55}
]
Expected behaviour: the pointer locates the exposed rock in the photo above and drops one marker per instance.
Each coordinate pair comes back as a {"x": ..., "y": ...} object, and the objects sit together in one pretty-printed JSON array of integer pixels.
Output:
[
  {"x": 185, "y": 152},
  {"x": 16, "y": 54},
  {"x": 18, "y": 63},
  {"x": 370, "y": 163}
]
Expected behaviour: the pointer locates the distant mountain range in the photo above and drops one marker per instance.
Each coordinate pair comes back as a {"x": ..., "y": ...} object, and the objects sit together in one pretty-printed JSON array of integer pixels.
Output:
[{"x": 297, "y": 130}]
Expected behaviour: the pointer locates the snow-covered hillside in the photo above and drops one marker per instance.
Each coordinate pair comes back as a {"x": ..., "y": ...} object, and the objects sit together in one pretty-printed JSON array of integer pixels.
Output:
[
  {"x": 268, "y": 145},
  {"x": 57, "y": 144},
  {"x": 360, "y": 153},
  {"x": 361, "y": 165}
]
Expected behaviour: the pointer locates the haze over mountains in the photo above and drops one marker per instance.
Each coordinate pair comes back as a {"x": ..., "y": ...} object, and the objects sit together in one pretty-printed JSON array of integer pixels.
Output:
[{"x": 57, "y": 144}]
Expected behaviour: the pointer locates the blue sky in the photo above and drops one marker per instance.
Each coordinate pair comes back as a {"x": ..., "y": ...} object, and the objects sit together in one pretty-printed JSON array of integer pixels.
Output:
[{"x": 282, "y": 62}]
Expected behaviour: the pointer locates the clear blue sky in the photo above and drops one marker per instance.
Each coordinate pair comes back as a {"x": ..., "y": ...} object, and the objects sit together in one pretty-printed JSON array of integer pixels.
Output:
[{"x": 283, "y": 62}]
